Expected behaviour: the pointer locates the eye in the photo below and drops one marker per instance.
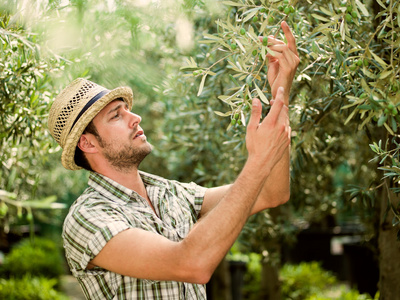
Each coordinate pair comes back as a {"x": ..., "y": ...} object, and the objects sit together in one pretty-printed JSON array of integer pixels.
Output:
[{"x": 115, "y": 116}]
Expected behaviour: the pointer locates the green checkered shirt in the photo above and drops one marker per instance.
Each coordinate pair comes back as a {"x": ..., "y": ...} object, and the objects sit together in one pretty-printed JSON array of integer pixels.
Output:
[{"x": 105, "y": 209}]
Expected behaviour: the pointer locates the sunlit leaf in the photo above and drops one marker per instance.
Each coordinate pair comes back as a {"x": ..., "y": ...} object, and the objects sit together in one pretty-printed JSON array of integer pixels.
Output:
[{"x": 261, "y": 95}]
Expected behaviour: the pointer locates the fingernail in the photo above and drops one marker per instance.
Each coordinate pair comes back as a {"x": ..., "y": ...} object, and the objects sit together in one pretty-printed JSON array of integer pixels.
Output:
[
  {"x": 256, "y": 103},
  {"x": 281, "y": 89}
]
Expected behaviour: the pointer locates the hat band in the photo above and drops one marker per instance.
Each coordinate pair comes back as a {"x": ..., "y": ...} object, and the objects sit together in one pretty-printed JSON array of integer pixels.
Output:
[{"x": 89, "y": 104}]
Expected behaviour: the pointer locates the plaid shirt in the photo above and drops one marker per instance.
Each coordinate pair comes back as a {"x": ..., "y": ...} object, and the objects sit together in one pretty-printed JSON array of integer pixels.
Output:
[{"x": 105, "y": 209}]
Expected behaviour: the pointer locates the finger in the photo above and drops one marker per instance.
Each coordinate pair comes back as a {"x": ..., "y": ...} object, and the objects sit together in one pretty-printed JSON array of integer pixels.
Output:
[
  {"x": 289, "y": 37},
  {"x": 284, "y": 49},
  {"x": 280, "y": 94},
  {"x": 284, "y": 55},
  {"x": 255, "y": 114},
  {"x": 276, "y": 109}
]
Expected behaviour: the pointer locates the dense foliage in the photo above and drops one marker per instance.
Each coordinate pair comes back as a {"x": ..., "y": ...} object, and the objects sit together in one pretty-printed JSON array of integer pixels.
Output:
[
  {"x": 25, "y": 91},
  {"x": 39, "y": 257},
  {"x": 30, "y": 288},
  {"x": 344, "y": 101}
]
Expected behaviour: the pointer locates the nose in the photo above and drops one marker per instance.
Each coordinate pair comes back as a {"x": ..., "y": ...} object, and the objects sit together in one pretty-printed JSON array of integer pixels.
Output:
[{"x": 134, "y": 119}]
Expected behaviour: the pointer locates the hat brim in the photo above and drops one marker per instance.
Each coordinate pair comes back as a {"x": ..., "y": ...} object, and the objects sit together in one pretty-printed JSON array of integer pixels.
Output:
[{"x": 68, "y": 154}]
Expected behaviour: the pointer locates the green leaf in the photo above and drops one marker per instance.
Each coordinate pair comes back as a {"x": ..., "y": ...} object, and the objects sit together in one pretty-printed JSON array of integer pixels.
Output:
[
  {"x": 362, "y": 8},
  {"x": 231, "y": 3},
  {"x": 261, "y": 95},
  {"x": 378, "y": 59},
  {"x": 318, "y": 17},
  {"x": 382, "y": 119},
  {"x": 222, "y": 114},
  {"x": 384, "y": 74},
  {"x": 203, "y": 80},
  {"x": 251, "y": 15},
  {"x": 381, "y": 4},
  {"x": 393, "y": 124},
  {"x": 325, "y": 11}
]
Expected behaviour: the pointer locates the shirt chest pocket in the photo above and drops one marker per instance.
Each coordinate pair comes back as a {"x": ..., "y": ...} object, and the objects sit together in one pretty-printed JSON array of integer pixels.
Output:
[{"x": 179, "y": 218}]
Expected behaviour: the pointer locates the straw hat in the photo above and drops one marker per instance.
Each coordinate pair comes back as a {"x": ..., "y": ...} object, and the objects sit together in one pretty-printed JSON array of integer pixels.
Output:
[{"x": 74, "y": 108}]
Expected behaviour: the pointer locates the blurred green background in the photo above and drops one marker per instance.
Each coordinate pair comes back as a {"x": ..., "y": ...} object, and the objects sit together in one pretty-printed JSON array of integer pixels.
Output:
[{"x": 344, "y": 209}]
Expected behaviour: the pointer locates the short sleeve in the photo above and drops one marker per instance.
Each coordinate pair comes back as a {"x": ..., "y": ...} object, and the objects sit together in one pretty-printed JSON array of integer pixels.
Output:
[
  {"x": 193, "y": 193},
  {"x": 87, "y": 229}
]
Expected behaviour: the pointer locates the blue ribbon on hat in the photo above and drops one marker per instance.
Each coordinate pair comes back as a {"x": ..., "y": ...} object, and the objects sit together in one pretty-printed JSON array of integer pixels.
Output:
[{"x": 89, "y": 104}]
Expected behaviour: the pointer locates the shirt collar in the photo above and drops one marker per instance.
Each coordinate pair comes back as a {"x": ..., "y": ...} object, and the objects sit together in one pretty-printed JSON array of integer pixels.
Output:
[{"x": 115, "y": 191}]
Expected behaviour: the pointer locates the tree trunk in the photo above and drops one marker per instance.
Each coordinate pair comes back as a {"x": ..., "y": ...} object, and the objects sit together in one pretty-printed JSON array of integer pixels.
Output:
[
  {"x": 219, "y": 287},
  {"x": 389, "y": 248},
  {"x": 270, "y": 285}
]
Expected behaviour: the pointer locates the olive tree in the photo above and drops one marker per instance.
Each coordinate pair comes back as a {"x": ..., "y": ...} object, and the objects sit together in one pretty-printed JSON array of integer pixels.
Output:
[
  {"x": 25, "y": 89},
  {"x": 344, "y": 105}
]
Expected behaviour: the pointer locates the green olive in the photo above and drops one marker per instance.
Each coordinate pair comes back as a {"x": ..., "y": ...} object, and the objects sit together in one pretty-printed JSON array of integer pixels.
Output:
[
  {"x": 265, "y": 41},
  {"x": 242, "y": 31},
  {"x": 271, "y": 20}
]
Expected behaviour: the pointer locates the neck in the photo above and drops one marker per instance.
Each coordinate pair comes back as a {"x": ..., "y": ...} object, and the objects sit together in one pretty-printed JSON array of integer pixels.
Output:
[{"x": 130, "y": 179}]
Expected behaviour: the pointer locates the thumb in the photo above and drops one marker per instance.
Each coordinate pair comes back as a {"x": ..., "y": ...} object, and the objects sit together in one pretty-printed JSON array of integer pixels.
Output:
[{"x": 255, "y": 114}]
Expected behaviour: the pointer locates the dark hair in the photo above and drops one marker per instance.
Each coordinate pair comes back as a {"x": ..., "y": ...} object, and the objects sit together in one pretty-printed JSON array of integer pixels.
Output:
[{"x": 79, "y": 157}]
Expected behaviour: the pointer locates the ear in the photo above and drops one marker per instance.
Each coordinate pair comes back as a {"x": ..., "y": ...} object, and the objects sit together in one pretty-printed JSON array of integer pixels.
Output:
[{"x": 86, "y": 145}]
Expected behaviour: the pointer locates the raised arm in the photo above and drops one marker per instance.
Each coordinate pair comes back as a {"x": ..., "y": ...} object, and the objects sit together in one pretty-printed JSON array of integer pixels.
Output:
[
  {"x": 281, "y": 71},
  {"x": 142, "y": 254}
]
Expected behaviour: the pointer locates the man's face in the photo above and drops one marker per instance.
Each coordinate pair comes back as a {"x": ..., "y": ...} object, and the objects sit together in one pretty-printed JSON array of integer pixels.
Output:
[{"x": 121, "y": 140}]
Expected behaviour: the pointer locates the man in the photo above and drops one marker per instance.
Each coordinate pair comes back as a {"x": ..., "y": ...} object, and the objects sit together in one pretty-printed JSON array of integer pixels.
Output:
[{"x": 133, "y": 235}]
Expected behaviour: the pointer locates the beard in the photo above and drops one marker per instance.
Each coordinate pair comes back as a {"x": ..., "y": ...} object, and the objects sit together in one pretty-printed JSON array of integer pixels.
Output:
[{"x": 126, "y": 158}]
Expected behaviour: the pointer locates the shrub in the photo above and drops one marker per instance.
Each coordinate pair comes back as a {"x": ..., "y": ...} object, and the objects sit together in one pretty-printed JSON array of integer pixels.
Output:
[
  {"x": 304, "y": 280},
  {"x": 342, "y": 293},
  {"x": 39, "y": 257},
  {"x": 29, "y": 288}
]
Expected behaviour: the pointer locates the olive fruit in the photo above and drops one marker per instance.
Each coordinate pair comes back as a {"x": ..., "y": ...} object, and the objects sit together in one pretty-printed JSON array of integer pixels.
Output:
[
  {"x": 271, "y": 20},
  {"x": 265, "y": 41}
]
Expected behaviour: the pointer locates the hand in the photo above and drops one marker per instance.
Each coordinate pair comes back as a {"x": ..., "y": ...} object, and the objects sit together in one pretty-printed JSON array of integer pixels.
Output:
[
  {"x": 267, "y": 141},
  {"x": 283, "y": 65}
]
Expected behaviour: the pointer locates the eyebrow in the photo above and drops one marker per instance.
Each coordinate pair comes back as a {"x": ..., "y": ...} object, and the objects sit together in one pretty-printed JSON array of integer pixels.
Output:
[{"x": 115, "y": 108}]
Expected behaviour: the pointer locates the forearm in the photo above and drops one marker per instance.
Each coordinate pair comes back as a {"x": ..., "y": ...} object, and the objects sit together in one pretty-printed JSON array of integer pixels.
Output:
[
  {"x": 215, "y": 233},
  {"x": 276, "y": 188}
]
